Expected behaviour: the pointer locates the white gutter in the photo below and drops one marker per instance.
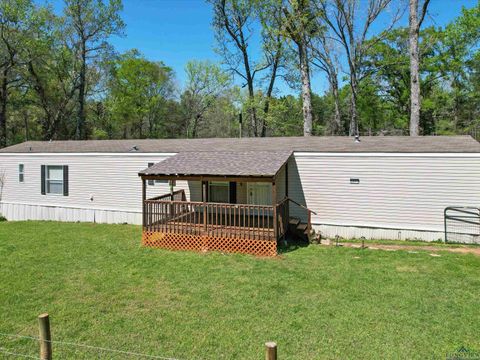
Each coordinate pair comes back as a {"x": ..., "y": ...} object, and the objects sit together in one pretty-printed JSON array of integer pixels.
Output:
[
  {"x": 295, "y": 153},
  {"x": 122, "y": 154},
  {"x": 383, "y": 154}
]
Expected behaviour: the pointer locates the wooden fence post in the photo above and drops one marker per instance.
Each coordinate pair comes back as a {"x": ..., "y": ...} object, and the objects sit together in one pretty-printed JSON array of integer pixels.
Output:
[
  {"x": 45, "y": 337},
  {"x": 270, "y": 351}
]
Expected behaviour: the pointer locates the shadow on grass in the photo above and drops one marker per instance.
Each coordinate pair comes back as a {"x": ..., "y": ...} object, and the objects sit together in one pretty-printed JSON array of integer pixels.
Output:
[{"x": 290, "y": 244}]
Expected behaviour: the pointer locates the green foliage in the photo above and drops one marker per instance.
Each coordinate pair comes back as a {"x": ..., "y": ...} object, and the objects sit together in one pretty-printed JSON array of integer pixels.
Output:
[
  {"x": 128, "y": 95},
  {"x": 206, "y": 84},
  {"x": 285, "y": 117},
  {"x": 138, "y": 91}
]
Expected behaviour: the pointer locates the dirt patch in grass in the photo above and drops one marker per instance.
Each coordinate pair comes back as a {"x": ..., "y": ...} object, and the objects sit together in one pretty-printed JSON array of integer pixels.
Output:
[{"x": 430, "y": 248}]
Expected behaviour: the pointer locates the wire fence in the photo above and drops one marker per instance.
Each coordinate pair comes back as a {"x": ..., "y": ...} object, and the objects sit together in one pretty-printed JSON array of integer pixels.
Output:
[
  {"x": 462, "y": 225},
  {"x": 72, "y": 347},
  {"x": 14, "y": 346}
]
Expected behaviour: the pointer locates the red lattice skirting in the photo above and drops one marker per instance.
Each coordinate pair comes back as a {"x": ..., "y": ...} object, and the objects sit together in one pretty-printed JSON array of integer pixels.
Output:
[{"x": 174, "y": 241}]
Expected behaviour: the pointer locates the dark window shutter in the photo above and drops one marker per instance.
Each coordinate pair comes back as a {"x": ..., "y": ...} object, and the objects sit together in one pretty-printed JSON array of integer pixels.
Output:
[
  {"x": 151, "y": 182},
  {"x": 42, "y": 177},
  {"x": 65, "y": 180},
  {"x": 233, "y": 192}
]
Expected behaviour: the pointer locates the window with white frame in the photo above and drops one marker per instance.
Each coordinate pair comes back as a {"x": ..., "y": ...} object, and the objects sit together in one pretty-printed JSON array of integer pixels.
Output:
[
  {"x": 21, "y": 173},
  {"x": 219, "y": 191},
  {"x": 153, "y": 182},
  {"x": 54, "y": 179}
]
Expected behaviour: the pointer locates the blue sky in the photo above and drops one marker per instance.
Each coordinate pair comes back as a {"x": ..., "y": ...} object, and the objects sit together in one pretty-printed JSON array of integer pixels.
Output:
[{"x": 176, "y": 31}]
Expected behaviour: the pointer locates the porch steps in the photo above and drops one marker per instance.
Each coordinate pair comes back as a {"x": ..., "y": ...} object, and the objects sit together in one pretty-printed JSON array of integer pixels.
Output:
[{"x": 298, "y": 229}]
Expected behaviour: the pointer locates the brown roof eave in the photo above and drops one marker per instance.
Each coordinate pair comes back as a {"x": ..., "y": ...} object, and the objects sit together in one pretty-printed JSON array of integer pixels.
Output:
[{"x": 238, "y": 178}]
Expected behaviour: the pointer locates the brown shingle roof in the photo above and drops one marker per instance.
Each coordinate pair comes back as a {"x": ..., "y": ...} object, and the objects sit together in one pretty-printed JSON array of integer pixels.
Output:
[
  {"x": 387, "y": 144},
  {"x": 221, "y": 163}
]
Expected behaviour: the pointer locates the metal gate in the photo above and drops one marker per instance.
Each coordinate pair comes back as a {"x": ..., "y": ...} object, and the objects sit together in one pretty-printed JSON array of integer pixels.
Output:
[{"x": 462, "y": 224}]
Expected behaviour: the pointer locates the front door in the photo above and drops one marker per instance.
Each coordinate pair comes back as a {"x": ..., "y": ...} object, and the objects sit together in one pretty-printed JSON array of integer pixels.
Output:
[{"x": 259, "y": 193}]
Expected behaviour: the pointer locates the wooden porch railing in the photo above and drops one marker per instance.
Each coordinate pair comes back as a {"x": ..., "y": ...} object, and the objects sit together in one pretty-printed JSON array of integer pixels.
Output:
[
  {"x": 282, "y": 215},
  {"x": 171, "y": 213},
  {"x": 178, "y": 195},
  {"x": 255, "y": 222},
  {"x": 309, "y": 212}
]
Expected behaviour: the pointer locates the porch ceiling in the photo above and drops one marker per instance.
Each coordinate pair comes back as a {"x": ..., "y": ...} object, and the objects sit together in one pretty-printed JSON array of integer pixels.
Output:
[{"x": 221, "y": 163}]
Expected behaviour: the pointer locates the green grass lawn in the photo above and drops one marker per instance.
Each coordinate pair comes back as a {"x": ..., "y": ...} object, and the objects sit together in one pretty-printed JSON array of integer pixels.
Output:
[{"x": 101, "y": 288}]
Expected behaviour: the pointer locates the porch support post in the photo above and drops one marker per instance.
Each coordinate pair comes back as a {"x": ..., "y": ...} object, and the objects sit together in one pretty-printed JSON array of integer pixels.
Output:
[
  {"x": 204, "y": 200},
  {"x": 144, "y": 197},
  {"x": 287, "y": 203},
  {"x": 274, "y": 203},
  {"x": 286, "y": 179}
]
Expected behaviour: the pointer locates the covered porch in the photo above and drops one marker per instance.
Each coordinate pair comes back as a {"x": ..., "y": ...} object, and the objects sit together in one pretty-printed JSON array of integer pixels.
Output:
[{"x": 242, "y": 206}]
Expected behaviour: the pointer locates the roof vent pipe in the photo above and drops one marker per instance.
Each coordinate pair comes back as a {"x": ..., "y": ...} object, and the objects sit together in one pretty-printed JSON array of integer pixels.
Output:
[{"x": 357, "y": 138}]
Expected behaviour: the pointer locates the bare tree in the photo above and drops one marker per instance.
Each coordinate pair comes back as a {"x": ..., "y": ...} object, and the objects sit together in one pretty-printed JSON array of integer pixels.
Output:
[
  {"x": 325, "y": 58},
  {"x": 232, "y": 21},
  {"x": 350, "y": 30},
  {"x": 415, "y": 19},
  {"x": 91, "y": 23},
  {"x": 234, "y": 26},
  {"x": 274, "y": 50},
  {"x": 299, "y": 25}
]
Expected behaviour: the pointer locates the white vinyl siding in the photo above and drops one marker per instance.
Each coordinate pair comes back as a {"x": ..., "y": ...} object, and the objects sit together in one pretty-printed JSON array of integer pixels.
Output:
[
  {"x": 101, "y": 182},
  {"x": 396, "y": 191},
  {"x": 400, "y": 192}
]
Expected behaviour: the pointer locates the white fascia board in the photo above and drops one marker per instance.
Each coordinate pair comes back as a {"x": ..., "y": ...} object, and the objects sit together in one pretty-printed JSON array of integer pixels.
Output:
[
  {"x": 295, "y": 153},
  {"x": 120, "y": 154},
  {"x": 378, "y": 154}
]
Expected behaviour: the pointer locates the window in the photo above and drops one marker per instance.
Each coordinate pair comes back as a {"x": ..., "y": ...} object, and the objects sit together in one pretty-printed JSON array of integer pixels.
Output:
[
  {"x": 21, "y": 173},
  {"x": 54, "y": 179},
  {"x": 219, "y": 191},
  {"x": 153, "y": 182},
  {"x": 354, "y": 181}
]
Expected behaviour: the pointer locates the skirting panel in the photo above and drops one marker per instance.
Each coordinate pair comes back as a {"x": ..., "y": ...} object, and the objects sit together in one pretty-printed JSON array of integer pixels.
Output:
[
  {"x": 352, "y": 232},
  {"x": 174, "y": 241},
  {"x": 21, "y": 212}
]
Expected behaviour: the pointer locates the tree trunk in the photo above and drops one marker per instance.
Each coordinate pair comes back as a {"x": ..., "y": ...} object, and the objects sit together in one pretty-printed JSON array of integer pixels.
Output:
[
  {"x": 306, "y": 89},
  {"x": 337, "y": 119},
  {"x": 251, "y": 97},
  {"x": 80, "y": 131},
  {"x": 266, "y": 108},
  {"x": 196, "y": 120},
  {"x": 3, "y": 109},
  {"x": 25, "y": 123},
  {"x": 414, "y": 70},
  {"x": 353, "y": 131}
]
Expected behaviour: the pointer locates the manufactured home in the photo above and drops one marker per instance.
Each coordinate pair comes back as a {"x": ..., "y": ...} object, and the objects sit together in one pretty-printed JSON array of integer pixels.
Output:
[{"x": 243, "y": 194}]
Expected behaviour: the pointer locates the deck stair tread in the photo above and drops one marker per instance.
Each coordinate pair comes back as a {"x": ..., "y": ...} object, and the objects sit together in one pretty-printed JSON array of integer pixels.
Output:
[
  {"x": 298, "y": 229},
  {"x": 294, "y": 221},
  {"x": 302, "y": 227}
]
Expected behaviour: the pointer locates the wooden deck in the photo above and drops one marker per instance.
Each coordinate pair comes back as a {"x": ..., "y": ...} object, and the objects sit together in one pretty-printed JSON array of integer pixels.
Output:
[
  {"x": 246, "y": 227},
  {"x": 173, "y": 223}
]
